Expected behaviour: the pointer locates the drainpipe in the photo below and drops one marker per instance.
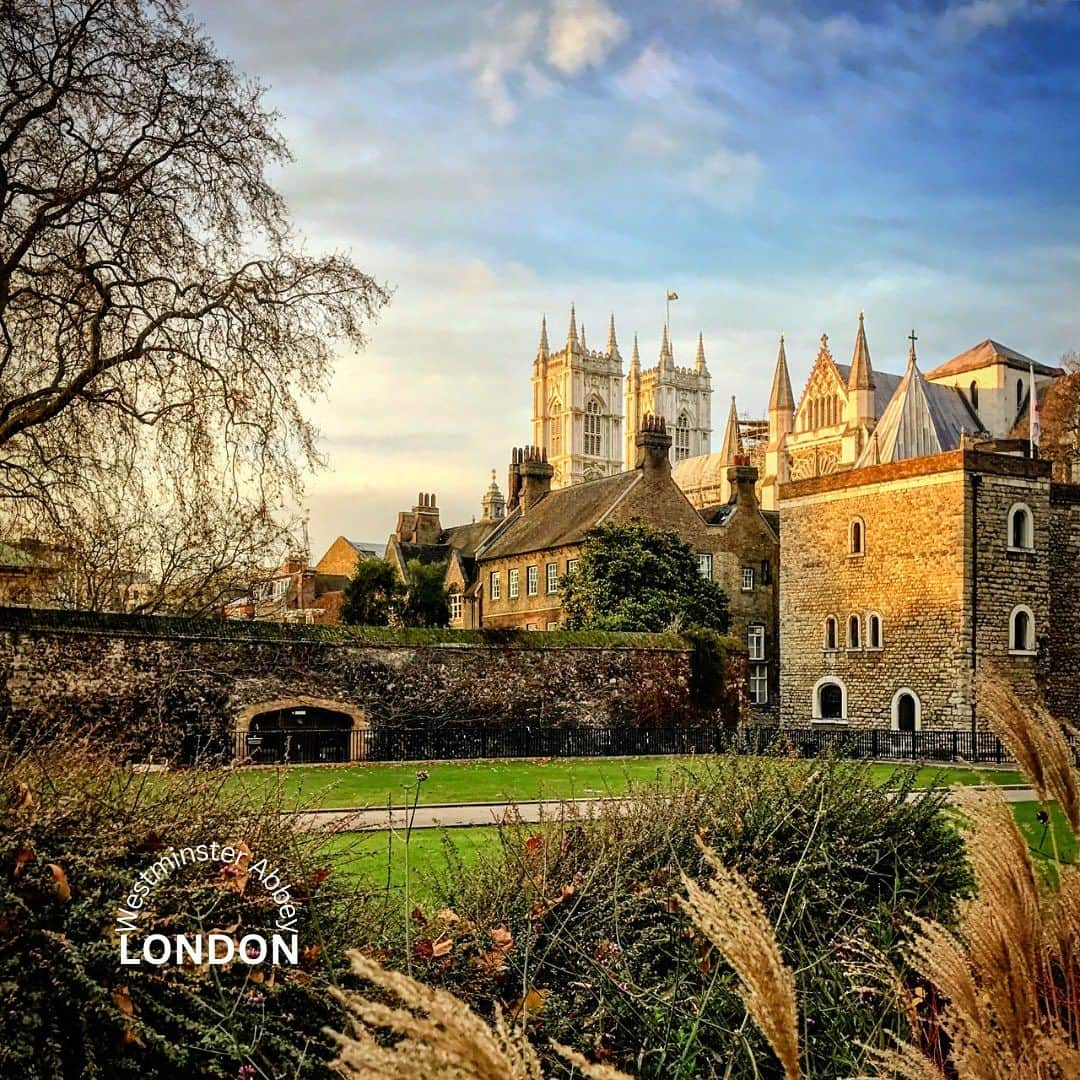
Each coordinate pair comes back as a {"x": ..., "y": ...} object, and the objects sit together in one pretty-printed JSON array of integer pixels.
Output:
[{"x": 975, "y": 479}]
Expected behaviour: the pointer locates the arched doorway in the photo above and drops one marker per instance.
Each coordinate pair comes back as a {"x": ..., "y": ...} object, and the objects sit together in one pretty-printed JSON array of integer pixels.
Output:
[
  {"x": 300, "y": 731},
  {"x": 906, "y": 711},
  {"x": 830, "y": 700}
]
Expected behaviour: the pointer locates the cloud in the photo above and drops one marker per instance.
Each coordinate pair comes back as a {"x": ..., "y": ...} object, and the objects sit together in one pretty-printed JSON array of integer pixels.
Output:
[
  {"x": 652, "y": 75},
  {"x": 727, "y": 178},
  {"x": 582, "y": 33},
  {"x": 505, "y": 53},
  {"x": 975, "y": 16}
]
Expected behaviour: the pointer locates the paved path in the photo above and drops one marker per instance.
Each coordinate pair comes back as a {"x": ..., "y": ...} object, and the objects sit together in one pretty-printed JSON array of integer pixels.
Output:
[{"x": 458, "y": 815}]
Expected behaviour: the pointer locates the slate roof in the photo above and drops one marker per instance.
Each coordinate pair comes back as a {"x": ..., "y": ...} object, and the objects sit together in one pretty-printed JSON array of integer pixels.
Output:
[
  {"x": 885, "y": 385},
  {"x": 370, "y": 551},
  {"x": 465, "y": 539},
  {"x": 986, "y": 353},
  {"x": 922, "y": 418},
  {"x": 560, "y": 517},
  {"x": 721, "y": 512}
]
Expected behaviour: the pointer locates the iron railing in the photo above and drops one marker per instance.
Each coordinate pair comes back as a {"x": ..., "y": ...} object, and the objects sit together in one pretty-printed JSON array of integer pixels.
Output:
[{"x": 459, "y": 742}]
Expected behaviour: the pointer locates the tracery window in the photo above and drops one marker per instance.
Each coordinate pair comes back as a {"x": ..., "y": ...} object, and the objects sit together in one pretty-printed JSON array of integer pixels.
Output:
[
  {"x": 682, "y": 437},
  {"x": 594, "y": 442}
]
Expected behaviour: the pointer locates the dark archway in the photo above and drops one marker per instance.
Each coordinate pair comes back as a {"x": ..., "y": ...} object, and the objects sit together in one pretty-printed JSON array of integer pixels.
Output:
[
  {"x": 298, "y": 732},
  {"x": 906, "y": 712},
  {"x": 832, "y": 702}
]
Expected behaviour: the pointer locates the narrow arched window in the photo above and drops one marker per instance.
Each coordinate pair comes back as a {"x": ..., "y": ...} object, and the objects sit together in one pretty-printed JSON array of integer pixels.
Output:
[
  {"x": 857, "y": 537},
  {"x": 873, "y": 631},
  {"x": 682, "y": 437},
  {"x": 854, "y": 633},
  {"x": 1019, "y": 393},
  {"x": 974, "y": 392},
  {"x": 594, "y": 441},
  {"x": 1021, "y": 631},
  {"x": 830, "y": 634},
  {"x": 1021, "y": 527}
]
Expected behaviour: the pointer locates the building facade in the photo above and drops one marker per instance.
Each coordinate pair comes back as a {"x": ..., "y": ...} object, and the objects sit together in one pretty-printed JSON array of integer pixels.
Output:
[{"x": 520, "y": 566}]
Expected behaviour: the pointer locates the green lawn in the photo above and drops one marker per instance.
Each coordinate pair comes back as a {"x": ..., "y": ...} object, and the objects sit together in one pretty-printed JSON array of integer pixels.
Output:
[
  {"x": 517, "y": 781},
  {"x": 378, "y": 858}
]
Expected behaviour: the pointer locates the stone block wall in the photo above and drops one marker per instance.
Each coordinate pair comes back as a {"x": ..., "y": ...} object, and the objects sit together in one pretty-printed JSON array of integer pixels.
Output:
[
  {"x": 158, "y": 685},
  {"x": 1063, "y": 633}
]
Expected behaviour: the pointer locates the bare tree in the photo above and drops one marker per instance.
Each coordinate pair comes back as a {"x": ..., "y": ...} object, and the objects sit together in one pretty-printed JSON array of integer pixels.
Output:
[{"x": 160, "y": 323}]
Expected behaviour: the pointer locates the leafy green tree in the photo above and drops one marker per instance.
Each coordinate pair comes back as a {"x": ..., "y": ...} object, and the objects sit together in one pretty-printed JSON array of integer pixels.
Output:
[
  {"x": 426, "y": 602},
  {"x": 633, "y": 578},
  {"x": 374, "y": 595}
]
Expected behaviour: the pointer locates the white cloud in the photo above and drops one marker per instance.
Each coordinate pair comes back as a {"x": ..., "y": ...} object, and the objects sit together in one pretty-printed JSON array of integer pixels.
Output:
[
  {"x": 727, "y": 178},
  {"x": 652, "y": 75},
  {"x": 582, "y": 33},
  {"x": 978, "y": 15},
  {"x": 505, "y": 53},
  {"x": 651, "y": 140}
]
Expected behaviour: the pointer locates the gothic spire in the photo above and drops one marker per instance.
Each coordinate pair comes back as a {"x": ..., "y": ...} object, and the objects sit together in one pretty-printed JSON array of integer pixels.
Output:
[
  {"x": 699, "y": 362},
  {"x": 635, "y": 358},
  {"x": 542, "y": 350},
  {"x": 781, "y": 399},
  {"x": 581, "y": 336},
  {"x": 862, "y": 374},
  {"x": 732, "y": 444},
  {"x": 571, "y": 335},
  {"x": 667, "y": 360},
  {"x": 612, "y": 344}
]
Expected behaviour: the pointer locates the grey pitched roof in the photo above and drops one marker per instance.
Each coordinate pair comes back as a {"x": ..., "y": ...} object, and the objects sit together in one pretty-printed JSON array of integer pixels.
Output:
[
  {"x": 986, "y": 353},
  {"x": 885, "y": 384},
  {"x": 363, "y": 548},
  {"x": 467, "y": 538},
  {"x": 560, "y": 517},
  {"x": 922, "y": 418}
]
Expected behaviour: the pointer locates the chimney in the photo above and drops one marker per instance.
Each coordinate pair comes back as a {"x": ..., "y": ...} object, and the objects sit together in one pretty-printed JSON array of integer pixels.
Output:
[
  {"x": 535, "y": 474},
  {"x": 426, "y": 513},
  {"x": 742, "y": 477},
  {"x": 513, "y": 481},
  {"x": 653, "y": 445}
]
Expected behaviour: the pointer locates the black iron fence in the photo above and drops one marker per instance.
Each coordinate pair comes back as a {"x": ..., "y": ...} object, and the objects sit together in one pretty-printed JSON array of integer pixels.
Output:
[{"x": 455, "y": 743}]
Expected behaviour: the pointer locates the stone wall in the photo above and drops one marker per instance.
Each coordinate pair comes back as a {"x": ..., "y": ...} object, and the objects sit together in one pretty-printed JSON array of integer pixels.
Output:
[
  {"x": 941, "y": 571},
  {"x": 157, "y": 684}
]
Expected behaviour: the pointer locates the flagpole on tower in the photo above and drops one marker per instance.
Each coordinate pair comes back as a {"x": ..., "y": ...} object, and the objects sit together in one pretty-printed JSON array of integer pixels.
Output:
[{"x": 671, "y": 295}]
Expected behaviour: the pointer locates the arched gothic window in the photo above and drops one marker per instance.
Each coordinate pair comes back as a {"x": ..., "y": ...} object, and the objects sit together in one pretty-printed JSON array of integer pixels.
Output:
[
  {"x": 1021, "y": 527},
  {"x": 682, "y": 437},
  {"x": 1021, "y": 630},
  {"x": 594, "y": 440},
  {"x": 555, "y": 426},
  {"x": 873, "y": 631}
]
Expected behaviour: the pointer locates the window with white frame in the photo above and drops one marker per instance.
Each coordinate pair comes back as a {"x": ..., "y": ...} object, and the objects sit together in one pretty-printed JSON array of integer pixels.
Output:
[
  {"x": 747, "y": 579},
  {"x": 682, "y": 437},
  {"x": 553, "y": 626},
  {"x": 755, "y": 642},
  {"x": 495, "y": 589},
  {"x": 854, "y": 632},
  {"x": 552, "y": 578},
  {"x": 454, "y": 599},
  {"x": 830, "y": 700},
  {"x": 594, "y": 441},
  {"x": 873, "y": 631},
  {"x": 1021, "y": 528},
  {"x": 513, "y": 586},
  {"x": 532, "y": 626},
  {"x": 532, "y": 580},
  {"x": 704, "y": 564},
  {"x": 759, "y": 684},
  {"x": 571, "y": 564},
  {"x": 1022, "y": 630}
]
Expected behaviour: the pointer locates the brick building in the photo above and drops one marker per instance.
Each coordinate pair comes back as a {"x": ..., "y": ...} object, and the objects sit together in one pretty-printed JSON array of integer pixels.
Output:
[
  {"x": 937, "y": 557},
  {"x": 520, "y": 565}
]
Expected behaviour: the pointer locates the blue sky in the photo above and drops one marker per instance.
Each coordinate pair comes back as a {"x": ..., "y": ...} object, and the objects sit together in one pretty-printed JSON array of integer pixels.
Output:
[{"x": 780, "y": 164}]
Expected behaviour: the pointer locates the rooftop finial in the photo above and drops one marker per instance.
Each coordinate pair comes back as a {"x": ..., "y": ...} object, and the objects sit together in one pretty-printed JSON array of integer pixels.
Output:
[
  {"x": 699, "y": 362},
  {"x": 571, "y": 334},
  {"x": 612, "y": 344},
  {"x": 666, "y": 357},
  {"x": 635, "y": 357},
  {"x": 911, "y": 359},
  {"x": 543, "y": 347}
]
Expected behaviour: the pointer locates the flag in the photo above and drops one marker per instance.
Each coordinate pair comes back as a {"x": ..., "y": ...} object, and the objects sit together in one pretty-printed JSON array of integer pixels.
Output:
[
  {"x": 1035, "y": 428},
  {"x": 672, "y": 294}
]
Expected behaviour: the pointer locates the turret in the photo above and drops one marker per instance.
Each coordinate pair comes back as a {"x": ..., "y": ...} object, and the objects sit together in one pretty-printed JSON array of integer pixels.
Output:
[
  {"x": 861, "y": 406},
  {"x": 667, "y": 359},
  {"x": 493, "y": 503},
  {"x": 572, "y": 343},
  {"x": 781, "y": 400},
  {"x": 612, "y": 350},
  {"x": 542, "y": 351},
  {"x": 731, "y": 448},
  {"x": 699, "y": 360}
]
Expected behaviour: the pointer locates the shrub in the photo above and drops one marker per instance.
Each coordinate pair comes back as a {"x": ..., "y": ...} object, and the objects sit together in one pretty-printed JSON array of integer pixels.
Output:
[
  {"x": 77, "y": 832},
  {"x": 577, "y": 925}
]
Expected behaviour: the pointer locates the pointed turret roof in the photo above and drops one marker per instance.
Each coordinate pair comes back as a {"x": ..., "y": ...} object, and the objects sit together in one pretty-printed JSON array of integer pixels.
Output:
[
  {"x": 571, "y": 335},
  {"x": 581, "y": 337},
  {"x": 920, "y": 419},
  {"x": 542, "y": 349},
  {"x": 699, "y": 360},
  {"x": 667, "y": 359},
  {"x": 781, "y": 399},
  {"x": 732, "y": 444},
  {"x": 862, "y": 374},
  {"x": 612, "y": 343},
  {"x": 635, "y": 358}
]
